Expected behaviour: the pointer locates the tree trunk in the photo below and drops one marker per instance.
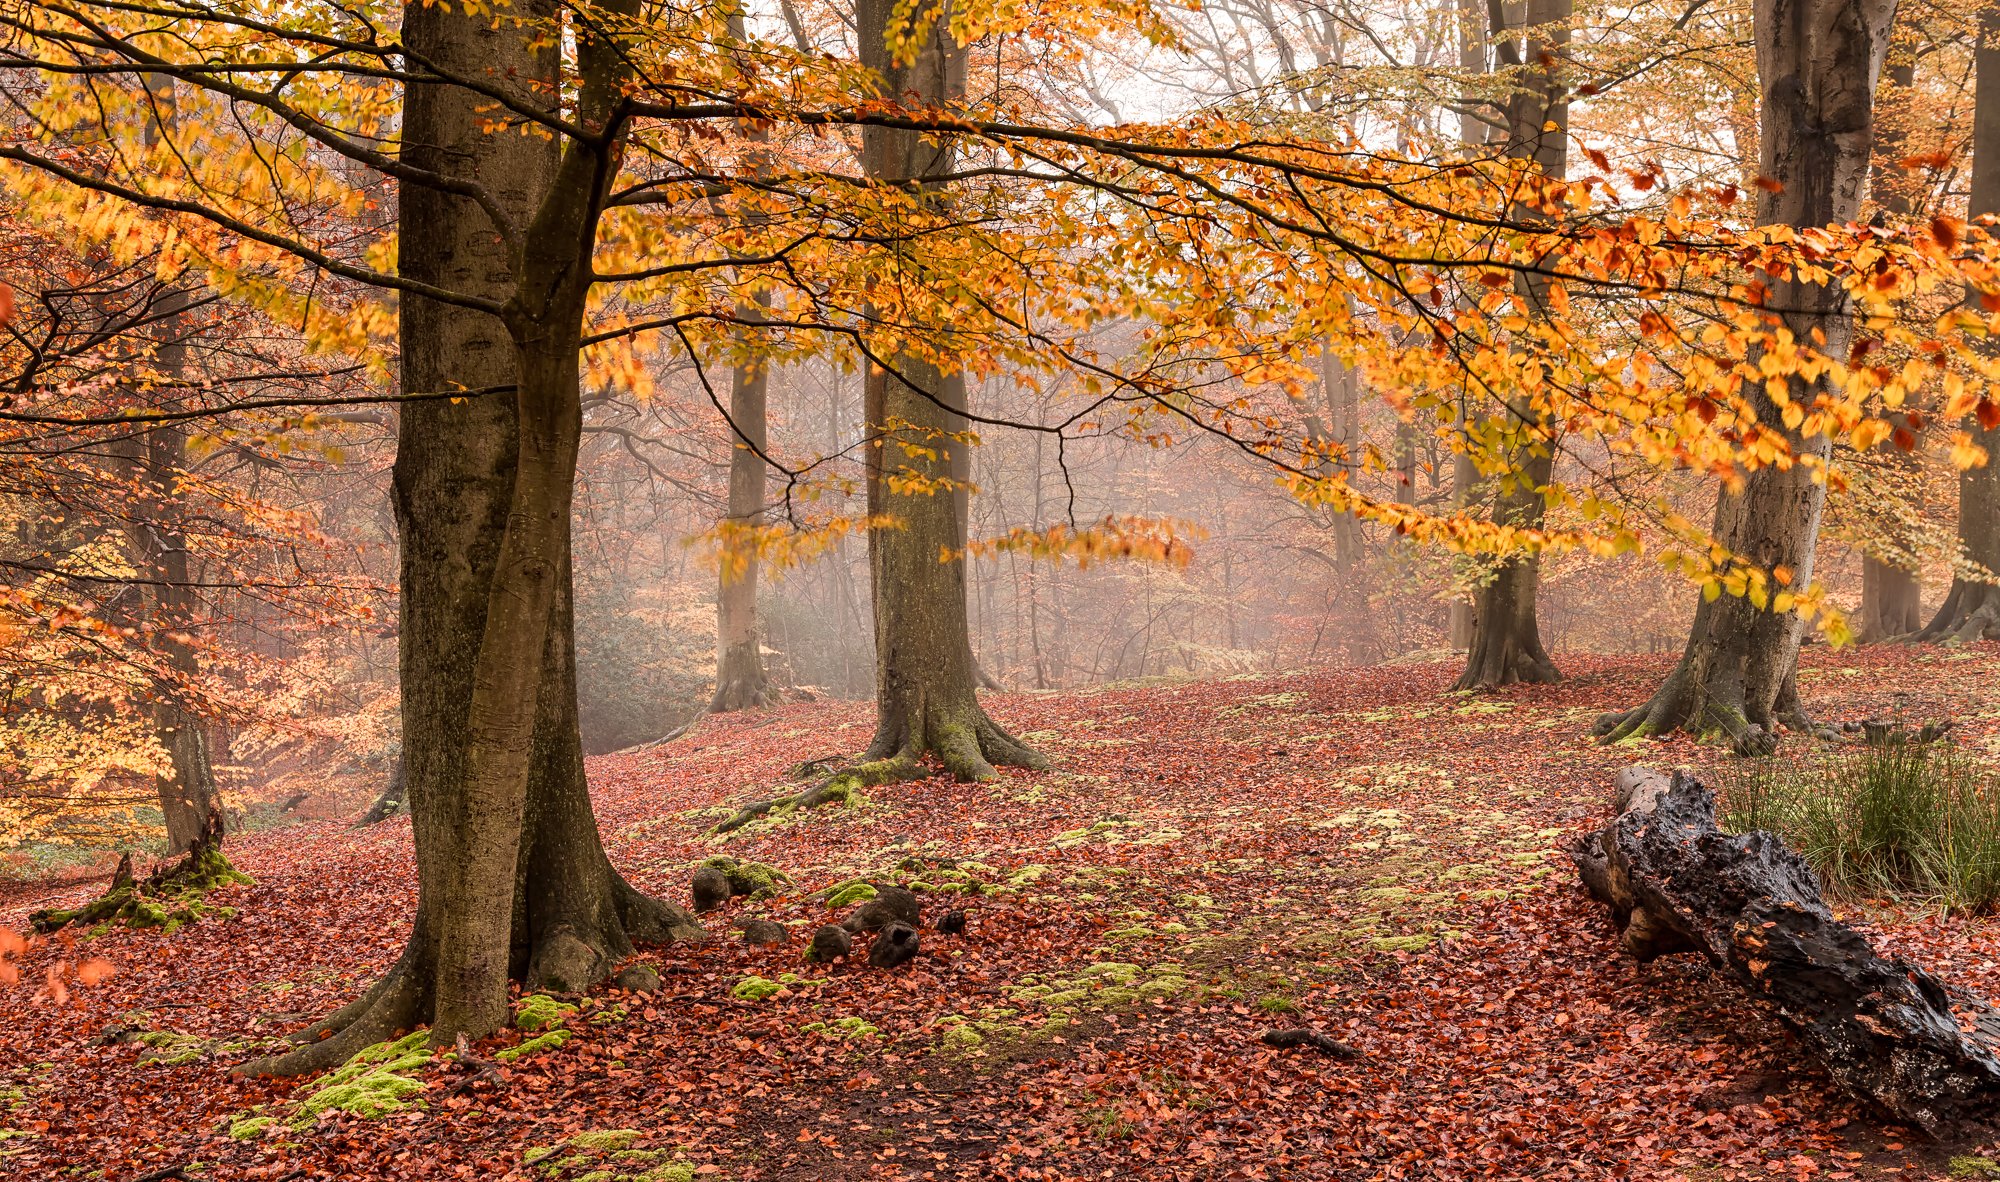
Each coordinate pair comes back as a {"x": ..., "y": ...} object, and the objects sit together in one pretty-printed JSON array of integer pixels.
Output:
[
  {"x": 1971, "y": 609},
  {"x": 1506, "y": 643},
  {"x": 157, "y": 547},
  {"x": 1884, "y": 1028},
  {"x": 1890, "y": 595},
  {"x": 925, "y": 690},
  {"x": 513, "y": 882},
  {"x": 740, "y": 681},
  {"x": 1817, "y": 62}
]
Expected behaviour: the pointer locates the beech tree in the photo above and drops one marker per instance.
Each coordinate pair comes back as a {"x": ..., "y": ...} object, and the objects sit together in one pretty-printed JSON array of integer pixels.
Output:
[
  {"x": 1506, "y": 642},
  {"x": 1817, "y": 63},
  {"x": 926, "y": 679},
  {"x": 1971, "y": 609}
]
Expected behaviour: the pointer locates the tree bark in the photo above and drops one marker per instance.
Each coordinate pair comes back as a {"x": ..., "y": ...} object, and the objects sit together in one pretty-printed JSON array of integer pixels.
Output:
[
  {"x": 513, "y": 882},
  {"x": 1817, "y": 62},
  {"x": 926, "y": 701},
  {"x": 1506, "y": 642},
  {"x": 1890, "y": 594},
  {"x": 1884, "y": 1028},
  {"x": 1971, "y": 609},
  {"x": 740, "y": 680}
]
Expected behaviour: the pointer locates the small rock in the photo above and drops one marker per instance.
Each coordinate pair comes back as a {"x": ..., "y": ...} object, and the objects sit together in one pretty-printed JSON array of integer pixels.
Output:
[
  {"x": 895, "y": 945},
  {"x": 951, "y": 923},
  {"x": 829, "y": 943},
  {"x": 711, "y": 888},
  {"x": 638, "y": 978},
  {"x": 763, "y": 932},
  {"x": 891, "y": 904}
]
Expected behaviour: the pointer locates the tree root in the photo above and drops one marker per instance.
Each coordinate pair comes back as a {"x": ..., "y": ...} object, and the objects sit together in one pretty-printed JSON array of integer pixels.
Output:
[
  {"x": 390, "y": 1008},
  {"x": 171, "y": 896},
  {"x": 839, "y": 788},
  {"x": 1969, "y": 613},
  {"x": 1676, "y": 708}
]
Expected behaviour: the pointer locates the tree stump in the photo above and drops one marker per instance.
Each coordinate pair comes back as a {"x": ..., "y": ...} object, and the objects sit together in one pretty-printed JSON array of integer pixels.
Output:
[{"x": 1884, "y": 1028}]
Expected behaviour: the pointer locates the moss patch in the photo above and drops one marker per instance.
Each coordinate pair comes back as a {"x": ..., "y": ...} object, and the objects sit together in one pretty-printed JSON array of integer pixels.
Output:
[
  {"x": 250, "y": 1128},
  {"x": 756, "y": 989},
  {"x": 377, "y": 1081},
  {"x": 548, "y": 1040},
  {"x": 539, "y": 1011}
]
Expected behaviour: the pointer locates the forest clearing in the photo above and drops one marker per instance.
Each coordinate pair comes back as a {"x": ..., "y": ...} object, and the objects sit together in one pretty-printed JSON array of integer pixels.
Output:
[
  {"x": 643, "y": 591},
  {"x": 1144, "y": 913}
]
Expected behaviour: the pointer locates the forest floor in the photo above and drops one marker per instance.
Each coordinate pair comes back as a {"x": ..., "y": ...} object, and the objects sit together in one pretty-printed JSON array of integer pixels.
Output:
[{"x": 1358, "y": 852}]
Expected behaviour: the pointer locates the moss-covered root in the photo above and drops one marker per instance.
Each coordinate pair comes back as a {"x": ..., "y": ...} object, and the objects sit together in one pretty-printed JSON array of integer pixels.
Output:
[
  {"x": 168, "y": 898},
  {"x": 837, "y": 789},
  {"x": 1678, "y": 707}
]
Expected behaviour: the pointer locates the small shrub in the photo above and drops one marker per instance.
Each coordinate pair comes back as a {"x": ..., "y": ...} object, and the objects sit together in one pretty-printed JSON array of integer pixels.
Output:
[{"x": 1902, "y": 820}]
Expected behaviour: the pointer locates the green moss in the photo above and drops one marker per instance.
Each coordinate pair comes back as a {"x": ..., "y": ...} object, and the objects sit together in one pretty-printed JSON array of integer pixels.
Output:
[
  {"x": 756, "y": 989},
  {"x": 1401, "y": 943},
  {"x": 539, "y": 1011},
  {"x": 377, "y": 1081},
  {"x": 759, "y": 880},
  {"x": 251, "y": 1127},
  {"x": 604, "y": 1140},
  {"x": 1968, "y": 1166},
  {"x": 548, "y": 1040},
  {"x": 852, "y": 893},
  {"x": 962, "y": 1039},
  {"x": 842, "y": 1028},
  {"x": 679, "y": 1171},
  {"x": 171, "y": 1048}
]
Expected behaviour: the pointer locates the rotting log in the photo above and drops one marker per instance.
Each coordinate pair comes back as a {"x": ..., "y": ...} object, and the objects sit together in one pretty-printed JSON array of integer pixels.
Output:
[{"x": 1886, "y": 1030}]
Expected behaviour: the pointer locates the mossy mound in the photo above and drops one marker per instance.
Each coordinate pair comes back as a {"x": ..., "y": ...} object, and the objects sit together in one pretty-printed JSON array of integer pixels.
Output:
[
  {"x": 376, "y": 1082},
  {"x": 539, "y": 1011},
  {"x": 167, "y": 899},
  {"x": 758, "y": 880},
  {"x": 842, "y": 1028}
]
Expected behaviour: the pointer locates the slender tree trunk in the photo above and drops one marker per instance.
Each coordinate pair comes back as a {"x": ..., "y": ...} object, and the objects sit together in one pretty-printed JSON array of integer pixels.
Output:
[
  {"x": 1971, "y": 609},
  {"x": 1890, "y": 594},
  {"x": 512, "y": 878},
  {"x": 1506, "y": 645},
  {"x": 926, "y": 679},
  {"x": 158, "y": 549},
  {"x": 1472, "y": 37},
  {"x": 1817, "y": 63},
  {"x": 740, "y": 681}
]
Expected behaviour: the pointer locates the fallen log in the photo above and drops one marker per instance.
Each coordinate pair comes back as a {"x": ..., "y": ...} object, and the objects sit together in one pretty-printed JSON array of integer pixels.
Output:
[{"x": 1885, "y": 1029}]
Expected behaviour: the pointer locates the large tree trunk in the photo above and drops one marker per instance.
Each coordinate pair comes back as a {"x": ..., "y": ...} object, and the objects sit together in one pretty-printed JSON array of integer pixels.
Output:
[
  {"x": 1971, "y": 610},
  {"x": 1817, "y": 62},
  {"x": 512, "y": 879},
  {"x": 1884, "y": 1028},
  {"x": 926, "y": 684},
  {"x": 1506, "y": 643}
]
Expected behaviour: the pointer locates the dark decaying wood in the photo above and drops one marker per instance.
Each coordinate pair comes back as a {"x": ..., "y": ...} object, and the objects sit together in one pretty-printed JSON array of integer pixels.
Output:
[{"x": 1884, "y": 1028}]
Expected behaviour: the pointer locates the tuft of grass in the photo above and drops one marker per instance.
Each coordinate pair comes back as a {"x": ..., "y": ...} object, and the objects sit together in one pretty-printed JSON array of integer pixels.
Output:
[{"x": 1901, "y": 820}]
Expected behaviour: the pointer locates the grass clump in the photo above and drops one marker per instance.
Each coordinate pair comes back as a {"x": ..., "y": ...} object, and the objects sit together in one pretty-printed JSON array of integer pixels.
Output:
[{"x": 1901, "y": 820}]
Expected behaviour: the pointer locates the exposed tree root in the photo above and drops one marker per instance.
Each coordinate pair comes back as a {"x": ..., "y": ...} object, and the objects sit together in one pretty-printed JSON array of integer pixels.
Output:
[
  {"x": 1501, "y": 657},
  {"x": 167, "y": 898},
  {"x": 568, "y": 952},
  {"x": 839, "y": 788},
  {"x": 740, "y": 681},
  {"x": 1970, "y": 612}
]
